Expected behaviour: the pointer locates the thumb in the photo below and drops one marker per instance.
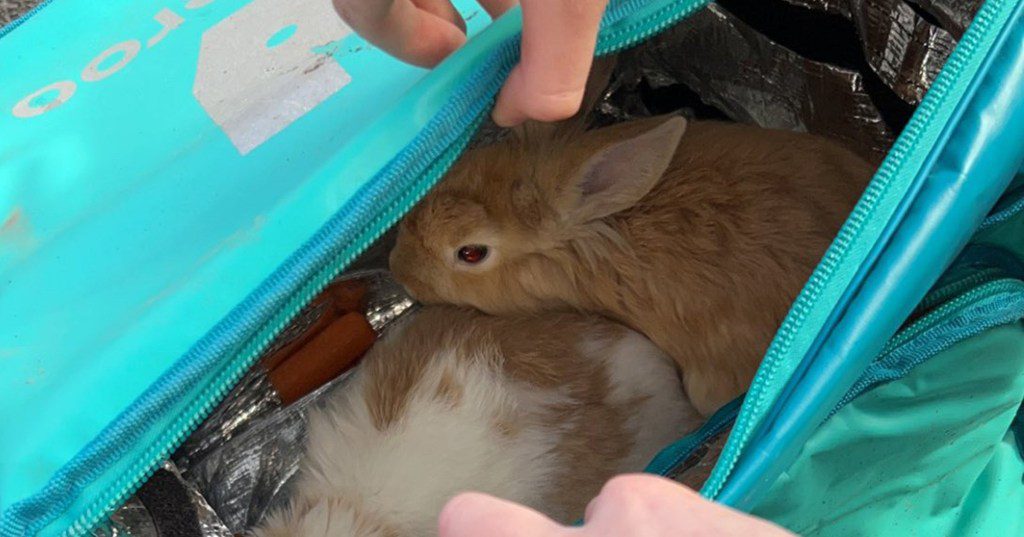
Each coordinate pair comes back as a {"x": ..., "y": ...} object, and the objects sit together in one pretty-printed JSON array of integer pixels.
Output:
[{"x": 479, "y": 515}]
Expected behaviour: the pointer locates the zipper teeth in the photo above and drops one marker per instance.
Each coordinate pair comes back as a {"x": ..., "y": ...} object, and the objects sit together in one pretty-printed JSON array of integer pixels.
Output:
[
  {"x": 953, "y": 305},
  {"x": 23, "y": 18},
  {"x": 944, "y": 293},
  {"x": 609, "y": 43},
  {"x": 1003, "y": 215},
  {"x": 621, "y": 38},
  {"x": 167, "y": 443},
  {"x": 953, "y": 308},
  {"x": 705, "y": 434},
  {"x": 150, "y": 461},
  {"x": 837, "y": 252}
]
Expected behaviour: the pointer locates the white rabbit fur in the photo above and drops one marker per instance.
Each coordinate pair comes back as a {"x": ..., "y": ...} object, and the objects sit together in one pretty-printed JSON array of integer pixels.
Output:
[{"x": 540, "y": 410}]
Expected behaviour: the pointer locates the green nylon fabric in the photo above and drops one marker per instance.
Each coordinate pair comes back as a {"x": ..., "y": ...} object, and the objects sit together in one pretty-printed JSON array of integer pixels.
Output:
[
  {"x": 925, "y": 455},
  {"x": 932, "y": 453}
]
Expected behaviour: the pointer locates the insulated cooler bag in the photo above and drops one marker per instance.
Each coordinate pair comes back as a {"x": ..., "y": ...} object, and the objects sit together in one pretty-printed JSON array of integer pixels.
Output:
[{"x": 179, "y": 178}]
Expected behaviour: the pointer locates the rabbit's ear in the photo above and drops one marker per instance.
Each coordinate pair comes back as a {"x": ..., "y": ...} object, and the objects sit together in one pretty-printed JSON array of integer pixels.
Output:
[{"x": 621, "y": 171}]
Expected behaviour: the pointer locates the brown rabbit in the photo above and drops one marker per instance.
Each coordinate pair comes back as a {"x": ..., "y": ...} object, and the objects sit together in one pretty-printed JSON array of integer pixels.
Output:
[{"x": 698, "y": 235}]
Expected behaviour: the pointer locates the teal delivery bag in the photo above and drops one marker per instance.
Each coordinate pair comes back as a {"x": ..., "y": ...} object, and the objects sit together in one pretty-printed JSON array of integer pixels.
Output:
[{"x": 180, "y": 178}]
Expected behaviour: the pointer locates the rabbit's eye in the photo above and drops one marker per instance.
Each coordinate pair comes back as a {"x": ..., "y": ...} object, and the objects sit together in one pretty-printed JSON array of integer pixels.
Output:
[{"x": 472, "y": 254}]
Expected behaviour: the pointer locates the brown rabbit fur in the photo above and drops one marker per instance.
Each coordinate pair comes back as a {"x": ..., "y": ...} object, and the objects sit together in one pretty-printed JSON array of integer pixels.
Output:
[
  {"x": 538, "y": 409},
  {"x": 698, "y": 235}
]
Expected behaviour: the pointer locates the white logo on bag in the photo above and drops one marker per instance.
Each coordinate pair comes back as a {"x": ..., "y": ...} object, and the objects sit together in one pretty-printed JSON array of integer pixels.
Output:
[
  {"x": 257, "y": 70},
  {"x": 255, "y": 81},
  {"x": 53, "y": 95}
]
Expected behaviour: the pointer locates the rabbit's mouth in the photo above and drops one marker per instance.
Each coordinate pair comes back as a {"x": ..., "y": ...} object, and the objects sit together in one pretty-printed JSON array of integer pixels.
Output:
[{"x": 414, "y": 287}]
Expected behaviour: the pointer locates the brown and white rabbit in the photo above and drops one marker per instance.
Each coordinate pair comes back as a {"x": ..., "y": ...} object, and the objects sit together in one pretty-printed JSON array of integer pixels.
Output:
[
  {"x": 699, "y": 234},
  {"x": 540, "y": 410}
]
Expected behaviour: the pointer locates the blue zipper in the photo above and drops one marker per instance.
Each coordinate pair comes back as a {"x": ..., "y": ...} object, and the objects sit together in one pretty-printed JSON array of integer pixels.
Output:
[
  {"x": 761, "y": 404},
  {"x": 23, "y": 18},
  {"x": 993, "y": 304},
  {"x": 252, "y": 325},
  {"x": 975, "y": 311},
  {"x": 978, "y": 264},
  {"x": 1009, "y": 206},
  {"x": 675, "y": 454}
]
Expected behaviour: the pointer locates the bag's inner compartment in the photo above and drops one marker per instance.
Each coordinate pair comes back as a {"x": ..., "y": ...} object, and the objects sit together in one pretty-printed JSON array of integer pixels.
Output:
[{"x": 850, "y": 71}]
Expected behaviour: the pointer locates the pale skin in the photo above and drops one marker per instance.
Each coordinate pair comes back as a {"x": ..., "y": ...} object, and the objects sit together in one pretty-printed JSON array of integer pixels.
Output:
[
  {"x": 557, "y": 47},
  {"x": 634, "y": 505},
  {"x": 558, "y": 43}
]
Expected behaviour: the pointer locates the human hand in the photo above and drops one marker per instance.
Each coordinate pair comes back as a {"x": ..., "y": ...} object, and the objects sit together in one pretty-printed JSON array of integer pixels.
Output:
[
  {"x": 558, "y": 43},
  {"x": 634, "y": 505}
]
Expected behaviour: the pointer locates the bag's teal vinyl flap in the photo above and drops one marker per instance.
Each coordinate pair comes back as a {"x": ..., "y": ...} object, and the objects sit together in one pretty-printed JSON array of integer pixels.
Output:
[
  {"x": 955, "y": 159},
  {"x": 175, "y": 180},
  {"x": 170, "y": 173},
  {"x": 158, "y": 160}
]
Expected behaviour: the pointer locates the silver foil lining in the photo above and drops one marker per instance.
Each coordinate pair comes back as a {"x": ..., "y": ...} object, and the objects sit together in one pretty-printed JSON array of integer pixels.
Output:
[
  {"x": 254, "y": 397},
  {"x": 135, "y": 519},
  {"x": 903, "y": 48},
  {"x": 11, "y": 10},
  {"x": 131, "y": 519},
  {"x": 210, "y": 523},
  {"x": 240, "y": 462},
  {"x": 755, "y": 80},
  {"x": 736, "y": 68},
  {"x": 245, "y": 477},
  {"x": 905, "y": 42},
  {"x": 952, "y": 15},
  {"x": 244, "y": 456}
]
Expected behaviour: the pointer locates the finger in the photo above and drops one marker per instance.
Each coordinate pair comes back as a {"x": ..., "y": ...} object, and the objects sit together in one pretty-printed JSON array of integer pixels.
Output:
[
  {"x": 496, "y": 8},
  {"x": 628, "y": 501},
  {"x": 557, "y": 50},
  {"x": 476, "y": 515},
  {"x": 443, "y": 9},
  {"x": 667, "y": 508},
  {"x": 403, "y": 30},
  {"x": 588, "y": 511}
]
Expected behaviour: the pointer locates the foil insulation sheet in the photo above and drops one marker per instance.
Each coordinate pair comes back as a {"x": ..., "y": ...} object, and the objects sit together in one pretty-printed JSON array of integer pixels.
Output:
[
  {"x": 210, "y": 522},
  {"x": 622, "y": 100},
  {"x": 241, "y": 460},
  {"x": 131, "y": 519},
  {"x": 243, "y": 457},
  {"x": 254, "y": 397},
  {"x": 696, "y": 469},
  {"x": 244, "y": 478},
  {"x": 754, "y": 80},
  {"x": 952, "y": 15},
  {"x": 145, "y": 513},
  {"x": 905, "y": 44},
  {"x": 905, "y": 50},
  {"x": 11, "y": 10}
]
